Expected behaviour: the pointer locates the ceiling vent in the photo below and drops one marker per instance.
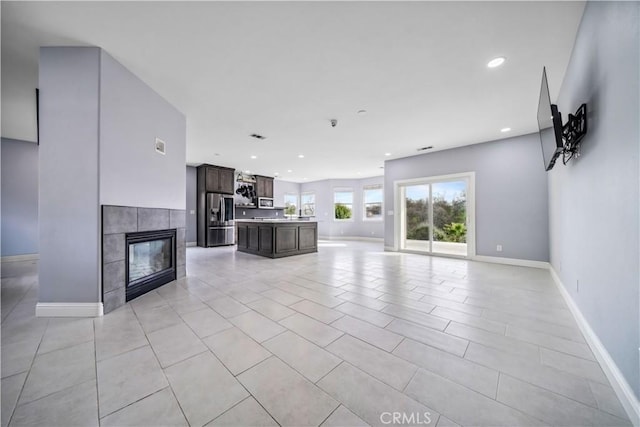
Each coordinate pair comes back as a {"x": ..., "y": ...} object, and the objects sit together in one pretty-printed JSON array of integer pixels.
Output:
[
  {"x": 256, "y": 136},
  {"x": 425, "y": 148}
]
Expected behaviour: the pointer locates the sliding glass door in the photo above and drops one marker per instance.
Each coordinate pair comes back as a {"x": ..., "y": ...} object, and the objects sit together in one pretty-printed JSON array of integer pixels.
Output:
[{"x": 435, "y": 215}]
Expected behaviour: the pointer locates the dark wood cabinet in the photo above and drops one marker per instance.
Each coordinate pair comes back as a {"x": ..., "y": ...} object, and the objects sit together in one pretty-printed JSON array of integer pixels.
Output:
[
  {"x": 264, "y": 186},
  {"x": 218, "y": 179},
  {"x": 277, "y": 239}
]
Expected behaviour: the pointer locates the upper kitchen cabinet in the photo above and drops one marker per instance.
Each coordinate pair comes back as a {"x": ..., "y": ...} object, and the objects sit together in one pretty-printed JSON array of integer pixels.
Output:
[
  {"x": 218, "y": 179},
  {"x": 264, "y": 186}
]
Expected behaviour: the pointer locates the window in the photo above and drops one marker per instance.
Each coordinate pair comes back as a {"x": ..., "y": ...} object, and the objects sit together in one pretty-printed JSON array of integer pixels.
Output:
[
  {"x": 290, "y": 204},
  {"x": 372, "y": 199},
  {"x": 308, "y": 204},
  {"x": 343, "y": 204}
]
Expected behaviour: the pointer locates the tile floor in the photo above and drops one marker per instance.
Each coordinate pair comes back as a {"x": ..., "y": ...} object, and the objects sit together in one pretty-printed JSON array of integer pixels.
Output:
[{"x": 346, "y": 337}]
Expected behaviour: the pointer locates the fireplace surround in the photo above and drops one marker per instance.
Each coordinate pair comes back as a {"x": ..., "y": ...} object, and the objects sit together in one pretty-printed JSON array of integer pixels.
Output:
[{"x": 119, "y": 222}]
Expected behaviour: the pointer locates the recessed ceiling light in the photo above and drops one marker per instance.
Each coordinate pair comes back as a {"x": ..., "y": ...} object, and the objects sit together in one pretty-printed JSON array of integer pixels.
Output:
[
  {"x": 254, "y": 157},
  {"x": 505, "y": 130},
  {"x": 247, "y": 171},
  {"x": 276, "y": 174},
  {"x": 387, "y": 154},
  {"x": 359, "y": 173},
  {"x": 304, "y": 179},
  {"x": 301, "y": 156},
  {"x": 289, "y": 170},
  {"x": 496, "y": 62},
  {"x": 362, "y": 112}
]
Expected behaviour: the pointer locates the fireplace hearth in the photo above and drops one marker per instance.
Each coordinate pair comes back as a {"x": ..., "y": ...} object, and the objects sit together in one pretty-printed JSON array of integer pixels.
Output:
[{"x": 150, "y": 261}]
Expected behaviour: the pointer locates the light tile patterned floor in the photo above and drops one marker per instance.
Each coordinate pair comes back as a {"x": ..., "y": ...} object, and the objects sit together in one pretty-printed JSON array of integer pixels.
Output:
[{"x": 348, "y": 336}]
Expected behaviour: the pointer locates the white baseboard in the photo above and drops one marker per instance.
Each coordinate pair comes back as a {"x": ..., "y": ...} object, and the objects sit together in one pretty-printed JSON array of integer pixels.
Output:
[
  {"x": 192, "y": 244},
  {"x": 511, "y": 261},
  {"x": 25, "y": 257},
  {"x": 69, "y": 309},
  {"x": 353, "y": 238},
  {"x": 618, "y": 382}
]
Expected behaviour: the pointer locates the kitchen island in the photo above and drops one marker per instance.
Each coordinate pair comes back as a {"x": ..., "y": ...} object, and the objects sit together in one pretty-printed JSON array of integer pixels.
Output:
[{"x": 277, "y": 238}]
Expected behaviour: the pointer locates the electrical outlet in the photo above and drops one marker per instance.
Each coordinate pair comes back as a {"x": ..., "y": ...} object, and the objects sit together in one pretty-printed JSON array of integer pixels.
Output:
[{"x": 498, "y": 248}]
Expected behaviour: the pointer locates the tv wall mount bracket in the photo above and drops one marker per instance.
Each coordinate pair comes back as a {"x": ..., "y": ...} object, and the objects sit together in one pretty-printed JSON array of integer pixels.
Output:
[{"x": 572, "y": 133}]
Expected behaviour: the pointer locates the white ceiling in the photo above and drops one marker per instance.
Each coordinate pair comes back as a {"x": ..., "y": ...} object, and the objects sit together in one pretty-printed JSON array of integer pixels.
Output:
[{"x": 285, "y": 69}]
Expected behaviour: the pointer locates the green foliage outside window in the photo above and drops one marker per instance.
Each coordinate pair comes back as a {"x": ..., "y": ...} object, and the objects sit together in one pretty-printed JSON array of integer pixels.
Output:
[
  {"x": 449, "y": 219},
  {"x": 342, "y": 211},
  {"x": 290, "y": 210}
]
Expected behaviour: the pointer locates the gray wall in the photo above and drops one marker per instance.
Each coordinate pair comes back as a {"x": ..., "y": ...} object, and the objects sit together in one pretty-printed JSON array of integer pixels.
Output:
[
  {"x": 192, "y": 204},
  {"x": 327, "y": 227},
  {"x": 510, "y": 193},
  {"x": 594, "y": 200},
  {"x": 98, "y": 124},
  {"x": 281, "y": 187},
  {"x": 132, "y": 115},
  {"x": 68, "y": 155},
  {"x": 19, "y": 214}
]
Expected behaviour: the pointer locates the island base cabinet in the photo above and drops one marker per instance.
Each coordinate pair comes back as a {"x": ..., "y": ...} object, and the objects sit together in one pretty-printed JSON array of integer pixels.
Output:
[{"x": 277, "y": 239}]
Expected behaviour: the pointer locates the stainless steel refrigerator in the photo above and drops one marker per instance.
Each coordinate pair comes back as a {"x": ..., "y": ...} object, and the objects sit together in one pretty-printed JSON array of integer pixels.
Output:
[{"x": 220, "y": 218}]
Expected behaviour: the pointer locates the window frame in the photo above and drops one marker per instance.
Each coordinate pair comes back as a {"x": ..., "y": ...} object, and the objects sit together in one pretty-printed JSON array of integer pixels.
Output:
[
  {"x": 364, "y": 202},
  {"x": 308, "y": 193},
  {"x": 352, "y": 204},
  {"x": 297, "y": 204}
]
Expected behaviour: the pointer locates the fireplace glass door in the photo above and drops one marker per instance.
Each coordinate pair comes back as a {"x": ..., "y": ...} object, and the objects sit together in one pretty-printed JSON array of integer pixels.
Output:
[{"x": 151, "y": 261}]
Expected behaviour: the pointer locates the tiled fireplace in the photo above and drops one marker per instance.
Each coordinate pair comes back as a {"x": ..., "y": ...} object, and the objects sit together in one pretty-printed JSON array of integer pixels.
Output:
[{"x": 142, "y": 248}]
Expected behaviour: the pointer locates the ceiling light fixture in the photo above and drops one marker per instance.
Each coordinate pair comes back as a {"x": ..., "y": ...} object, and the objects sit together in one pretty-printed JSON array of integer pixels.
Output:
[
  {"x": 247, "y": 171},
  {"x": 496, "y": 62},
  {"x": 301, "y": 156},
  {"x": 503, "y": 130},
  {"x": 387, "y": 154},
  {"x": 254, "y": 157},
  {"x": 289, "y": 170}
]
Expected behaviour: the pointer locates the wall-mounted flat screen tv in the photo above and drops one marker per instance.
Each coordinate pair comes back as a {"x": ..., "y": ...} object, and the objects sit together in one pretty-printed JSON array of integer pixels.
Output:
[{"x": 549, "y": 126}]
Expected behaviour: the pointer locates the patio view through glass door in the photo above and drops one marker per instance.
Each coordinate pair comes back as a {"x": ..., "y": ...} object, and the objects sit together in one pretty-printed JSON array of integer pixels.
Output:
[{"x": 434, "y": 217}]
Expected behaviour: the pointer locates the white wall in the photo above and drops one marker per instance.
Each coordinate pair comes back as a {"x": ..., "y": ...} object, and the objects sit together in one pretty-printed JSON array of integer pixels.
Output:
[
  {"x": 510, "y": 193},
  {"x": 69, "y": 216},
  {"x": 98, "y": 124},
  {"x": 594, "y": 200},
  {"x": 358, "y": 226},
  {"x": 132, "y": 115},
  {"x": 280, "y": 188}
]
